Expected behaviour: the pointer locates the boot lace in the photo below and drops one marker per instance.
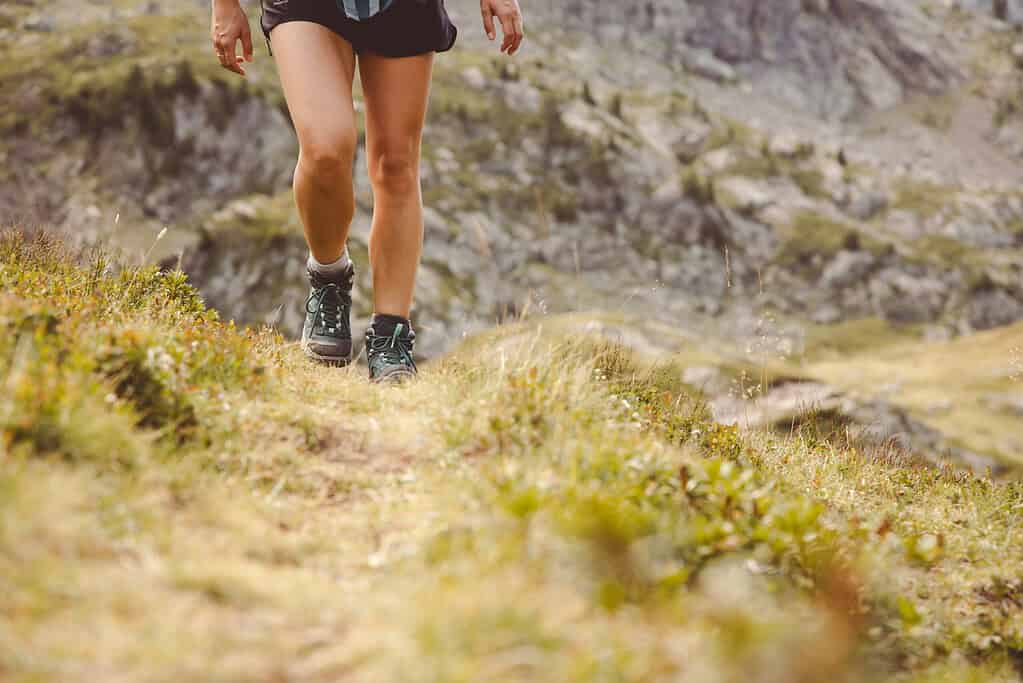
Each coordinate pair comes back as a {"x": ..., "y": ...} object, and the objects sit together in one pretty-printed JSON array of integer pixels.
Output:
[
  {"x": 394, "y": 349},
  {"x": 327, "y": 304}
]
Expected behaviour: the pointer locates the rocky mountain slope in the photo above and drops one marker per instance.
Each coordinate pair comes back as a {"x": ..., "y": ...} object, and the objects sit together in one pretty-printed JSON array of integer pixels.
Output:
[{"x": 747, "y": 174}]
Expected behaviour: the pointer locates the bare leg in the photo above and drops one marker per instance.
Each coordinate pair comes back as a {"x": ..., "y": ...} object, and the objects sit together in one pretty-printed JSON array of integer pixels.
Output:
[
  {"x": 396, "y": 93},
  {"x": 317, "y": 68}
]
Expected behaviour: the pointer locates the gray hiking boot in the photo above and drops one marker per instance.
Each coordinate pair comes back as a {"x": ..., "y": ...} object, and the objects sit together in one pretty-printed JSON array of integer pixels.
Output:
[
  {"x": 390, "y": 356},
  {"x": 327, "y": 332}
]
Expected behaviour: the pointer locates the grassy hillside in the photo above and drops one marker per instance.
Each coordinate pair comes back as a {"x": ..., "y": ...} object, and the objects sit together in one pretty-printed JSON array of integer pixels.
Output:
[
  {"x": 182, "y": 500},
  {"x": 582, "y": 182}
]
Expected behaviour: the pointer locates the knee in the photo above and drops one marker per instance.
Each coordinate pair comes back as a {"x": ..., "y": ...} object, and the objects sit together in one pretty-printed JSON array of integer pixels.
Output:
[
  {"x": 329, "y": 157},
  {"x": 395, "y": 173}
]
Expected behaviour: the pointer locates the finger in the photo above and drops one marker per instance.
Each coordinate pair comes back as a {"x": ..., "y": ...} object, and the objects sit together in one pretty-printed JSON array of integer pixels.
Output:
[
  {"x": 247, "y": 44},
  {"x": 221, "y": 54},
  {"x": 220, "y": 51},
  {"x": 220, "y": 47},
  {"x": 488, "y": 19},
  {"x": 231, "y": 49},
  {"x": 232, "y": 62},
  {"x": 520, "y": 34},
  {"x": 508, "y": 28},
  {"x": 228, "y": 56}
]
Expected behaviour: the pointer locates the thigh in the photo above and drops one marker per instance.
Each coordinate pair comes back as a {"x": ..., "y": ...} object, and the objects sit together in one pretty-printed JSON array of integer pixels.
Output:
[
  {"x": 316, "y": 68},
  {"x": 396, "y": 91}
]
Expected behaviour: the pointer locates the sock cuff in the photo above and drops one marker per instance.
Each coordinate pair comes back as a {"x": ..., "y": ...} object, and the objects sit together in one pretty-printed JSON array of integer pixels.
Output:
[
  {"x": 387, "y": 317},
  {"x": 383, "y": 324},
  {"x": 336, "y": 267}
]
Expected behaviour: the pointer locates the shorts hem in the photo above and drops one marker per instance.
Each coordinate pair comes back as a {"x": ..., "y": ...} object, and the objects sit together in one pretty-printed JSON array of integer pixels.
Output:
[{"x": 358, "y": 46}]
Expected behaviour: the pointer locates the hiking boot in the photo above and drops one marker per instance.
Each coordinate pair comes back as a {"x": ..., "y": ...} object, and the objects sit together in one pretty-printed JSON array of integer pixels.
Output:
[
  {"x": 327, "y": 332},
  {"x": 390, "y": 356}
]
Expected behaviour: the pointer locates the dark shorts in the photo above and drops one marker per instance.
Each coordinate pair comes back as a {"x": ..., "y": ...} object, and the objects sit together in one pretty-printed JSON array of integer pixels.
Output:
[{"x": 406, "y": 28}]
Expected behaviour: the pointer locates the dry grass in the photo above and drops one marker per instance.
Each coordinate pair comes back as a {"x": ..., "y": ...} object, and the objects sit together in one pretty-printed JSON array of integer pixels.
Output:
[
  {"x": 955, "y": 386},
  {"x": 552, "y": 510}
]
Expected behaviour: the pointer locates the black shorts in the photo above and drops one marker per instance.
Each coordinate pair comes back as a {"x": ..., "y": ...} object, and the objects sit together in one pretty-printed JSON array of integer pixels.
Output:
[{"x": 405, "y": 29}]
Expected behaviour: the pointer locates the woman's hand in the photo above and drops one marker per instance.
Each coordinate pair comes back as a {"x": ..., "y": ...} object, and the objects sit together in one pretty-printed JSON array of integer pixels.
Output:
[
  {"x": 228, "y": 26},
  {"x": 510, "y": 16}
]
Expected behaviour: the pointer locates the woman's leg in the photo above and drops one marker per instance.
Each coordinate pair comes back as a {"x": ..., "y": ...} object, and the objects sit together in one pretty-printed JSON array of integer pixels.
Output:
[
  {"x": 396, "y": 93},
  {"x": 316, "y": 67}
]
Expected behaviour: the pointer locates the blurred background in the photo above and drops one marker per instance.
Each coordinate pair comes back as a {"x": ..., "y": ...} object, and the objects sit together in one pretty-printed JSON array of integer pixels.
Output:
[{"x": 813, "y": 202}]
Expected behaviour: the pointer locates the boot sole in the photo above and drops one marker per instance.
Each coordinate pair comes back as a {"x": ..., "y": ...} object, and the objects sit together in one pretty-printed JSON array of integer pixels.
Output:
[
  {"x": 332, "y": 361},
  {"x": 399, "y": 377}
]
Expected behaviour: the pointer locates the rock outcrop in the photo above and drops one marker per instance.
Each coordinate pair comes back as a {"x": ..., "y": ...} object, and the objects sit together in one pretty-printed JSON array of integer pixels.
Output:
[{"x": 831, "y": 57}]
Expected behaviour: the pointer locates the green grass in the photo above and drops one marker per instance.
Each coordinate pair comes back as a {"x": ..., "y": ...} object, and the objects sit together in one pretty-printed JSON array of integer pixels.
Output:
[
  {"x": 755, "y": 159},
  {"x": 554, "y": 510},
  {"x": 924, "y": 198},
  {"x": 259, "y": 219},
  {"x": 812, "y": 235},
  {"x": 866, "y": 335},
  {"x": 85, "y": 350},
  {"x": 97, "y": 90}
]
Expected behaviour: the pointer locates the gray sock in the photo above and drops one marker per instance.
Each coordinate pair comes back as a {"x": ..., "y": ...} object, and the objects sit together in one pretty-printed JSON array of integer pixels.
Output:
[{"x": 335, "y": 268}]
